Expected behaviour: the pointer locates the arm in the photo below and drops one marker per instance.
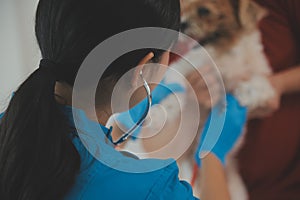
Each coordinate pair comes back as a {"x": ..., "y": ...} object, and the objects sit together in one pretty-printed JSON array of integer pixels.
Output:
[
  {"x": 220, "y": 134},
  {"x": 279, "y": 37},
  {"x": 214, "y": 184},
  {"x": 287, "y": 81}
]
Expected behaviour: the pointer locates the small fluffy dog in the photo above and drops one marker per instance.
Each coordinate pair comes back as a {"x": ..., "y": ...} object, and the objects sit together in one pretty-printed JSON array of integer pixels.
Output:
[{"x": 227, "y": 29}]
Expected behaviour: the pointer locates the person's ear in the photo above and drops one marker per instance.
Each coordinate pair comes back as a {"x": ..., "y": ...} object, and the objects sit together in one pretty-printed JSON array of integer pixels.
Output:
[{"x": 136, "y": 75}]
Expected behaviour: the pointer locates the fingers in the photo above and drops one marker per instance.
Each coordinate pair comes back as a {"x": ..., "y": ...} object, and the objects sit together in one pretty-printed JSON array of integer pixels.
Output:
[
  {"x": 197, "y": 75},
  {"x": 208, "y": 98},
  {"x": 271, "y": 106},
  {"x": 205, "y": 85},
  {"x": 259, "y": 113}
]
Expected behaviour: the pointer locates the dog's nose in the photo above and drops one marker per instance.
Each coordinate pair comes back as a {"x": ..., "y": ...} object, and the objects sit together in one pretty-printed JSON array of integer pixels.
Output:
[
  {"x": 203, "y": 12},
  {"x": 184, "y": 26}
]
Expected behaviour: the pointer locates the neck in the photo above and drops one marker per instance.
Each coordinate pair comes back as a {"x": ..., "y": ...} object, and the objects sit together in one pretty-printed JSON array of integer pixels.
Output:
[
  {"x": 63, "y": 95},
  {"x": 102, "y": 115}
]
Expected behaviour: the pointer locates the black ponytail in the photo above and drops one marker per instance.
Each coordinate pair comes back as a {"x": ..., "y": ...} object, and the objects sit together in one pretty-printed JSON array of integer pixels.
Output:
[{"x": 37, "y": 158}]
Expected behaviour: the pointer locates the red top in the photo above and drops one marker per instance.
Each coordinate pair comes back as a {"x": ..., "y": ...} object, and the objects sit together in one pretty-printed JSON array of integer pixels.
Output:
[{"x": 270, "y": 159}]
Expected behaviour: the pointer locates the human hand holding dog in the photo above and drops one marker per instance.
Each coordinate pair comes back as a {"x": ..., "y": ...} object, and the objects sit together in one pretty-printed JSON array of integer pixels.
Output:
[
  {"x": 273, "y": 104},
  {"x": 286, "y": 82},
  {"x": 206, "y": 86},
  {"x": 222, "y": 130}
]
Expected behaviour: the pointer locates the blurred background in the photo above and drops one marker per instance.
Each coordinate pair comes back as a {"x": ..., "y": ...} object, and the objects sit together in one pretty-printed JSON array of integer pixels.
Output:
[{"x": 19, "y": 54}]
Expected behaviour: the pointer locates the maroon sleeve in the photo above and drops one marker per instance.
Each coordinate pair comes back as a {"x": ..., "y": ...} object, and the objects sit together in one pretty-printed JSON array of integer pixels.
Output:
[{"x": 280, "y": 32}]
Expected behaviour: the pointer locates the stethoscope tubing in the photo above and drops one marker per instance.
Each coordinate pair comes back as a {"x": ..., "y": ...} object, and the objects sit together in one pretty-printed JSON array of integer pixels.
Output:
[{"x": 130, "y": 132}]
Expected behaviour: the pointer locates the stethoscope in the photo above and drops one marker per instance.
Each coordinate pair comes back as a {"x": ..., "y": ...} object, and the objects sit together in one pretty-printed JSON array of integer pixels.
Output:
[{"x": 130, "y": 132}]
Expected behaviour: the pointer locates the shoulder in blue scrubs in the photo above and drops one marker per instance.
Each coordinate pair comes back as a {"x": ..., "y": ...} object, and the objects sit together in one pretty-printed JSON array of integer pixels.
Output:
[{"x": 98, "y": 181}]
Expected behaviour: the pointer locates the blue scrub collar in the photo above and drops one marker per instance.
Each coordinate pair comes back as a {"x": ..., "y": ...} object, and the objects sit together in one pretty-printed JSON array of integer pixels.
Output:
[{"x": 83, "y": 123}]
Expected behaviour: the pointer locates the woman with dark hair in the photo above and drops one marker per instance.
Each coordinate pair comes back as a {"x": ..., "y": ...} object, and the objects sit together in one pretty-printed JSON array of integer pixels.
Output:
[{"x": 41, "y": 155}]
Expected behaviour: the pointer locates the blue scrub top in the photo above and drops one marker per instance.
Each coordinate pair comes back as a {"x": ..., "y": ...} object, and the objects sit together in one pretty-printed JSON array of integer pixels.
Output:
[{"x": 97, "y": 181}]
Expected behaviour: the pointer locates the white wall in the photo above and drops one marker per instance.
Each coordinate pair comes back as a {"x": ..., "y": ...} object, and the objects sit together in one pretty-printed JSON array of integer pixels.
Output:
[{"x": 19, "y": 54}]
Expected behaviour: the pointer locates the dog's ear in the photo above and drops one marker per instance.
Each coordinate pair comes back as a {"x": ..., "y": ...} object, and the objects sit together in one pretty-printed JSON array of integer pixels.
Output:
[
  {"x": 250, "y": 13},
  {"x": 184, "y": 4}
]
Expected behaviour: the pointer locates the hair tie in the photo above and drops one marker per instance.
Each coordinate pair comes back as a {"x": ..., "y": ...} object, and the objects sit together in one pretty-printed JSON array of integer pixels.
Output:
[
  {"x": 50, "y": 67},
  {"x": 60, "y": 71}
]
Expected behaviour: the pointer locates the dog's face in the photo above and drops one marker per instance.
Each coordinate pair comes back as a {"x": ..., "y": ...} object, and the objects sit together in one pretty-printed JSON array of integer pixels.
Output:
[{"x": 209, "y": 21}]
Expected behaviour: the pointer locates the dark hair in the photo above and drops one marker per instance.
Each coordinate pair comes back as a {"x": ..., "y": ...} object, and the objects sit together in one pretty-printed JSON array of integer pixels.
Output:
[{"x": 37, "y": 157}]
